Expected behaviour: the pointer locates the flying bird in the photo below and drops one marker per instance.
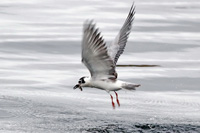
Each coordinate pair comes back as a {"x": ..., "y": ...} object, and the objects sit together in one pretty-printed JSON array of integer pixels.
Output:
[{"x": 101, "y": 60}]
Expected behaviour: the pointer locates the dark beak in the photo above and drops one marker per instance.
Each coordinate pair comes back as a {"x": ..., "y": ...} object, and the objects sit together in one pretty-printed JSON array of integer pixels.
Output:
[{"x": 78, "y": 86}]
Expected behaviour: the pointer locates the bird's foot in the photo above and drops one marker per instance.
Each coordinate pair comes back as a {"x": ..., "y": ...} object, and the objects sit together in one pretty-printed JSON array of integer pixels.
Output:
[
  {"x": 113, "y": 104},
  {"x": 117, "y": 99},
  {"x": 118, "y": 103}
]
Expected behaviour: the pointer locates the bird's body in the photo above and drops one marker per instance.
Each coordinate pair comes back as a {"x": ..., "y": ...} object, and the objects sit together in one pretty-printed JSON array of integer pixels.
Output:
[
  {"x": 101, "y": 59},
  {"x": 104, "y": 84},
  {"x": 108, "y": 84}
]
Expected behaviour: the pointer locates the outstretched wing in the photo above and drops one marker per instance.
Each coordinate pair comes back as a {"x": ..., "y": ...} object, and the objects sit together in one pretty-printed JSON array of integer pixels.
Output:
[
  {"x": 95, "y": 55},
  {"x": 117, "y": 46}
]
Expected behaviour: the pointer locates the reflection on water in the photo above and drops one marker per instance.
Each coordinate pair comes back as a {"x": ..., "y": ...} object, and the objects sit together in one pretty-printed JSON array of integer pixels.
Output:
[{"x": 40, "y": 63}]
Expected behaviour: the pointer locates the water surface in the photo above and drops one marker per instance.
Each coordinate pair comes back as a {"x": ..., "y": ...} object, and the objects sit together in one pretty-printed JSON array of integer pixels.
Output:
[{"x": 40, "y": 62}]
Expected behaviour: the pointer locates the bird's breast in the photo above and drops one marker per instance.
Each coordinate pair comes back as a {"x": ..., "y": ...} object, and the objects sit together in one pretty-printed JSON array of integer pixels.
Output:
[{"x": 106, "y": 85}]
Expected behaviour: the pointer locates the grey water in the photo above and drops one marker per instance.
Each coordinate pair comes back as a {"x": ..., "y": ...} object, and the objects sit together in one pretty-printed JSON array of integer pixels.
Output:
[{"x": 40, "y": 62}]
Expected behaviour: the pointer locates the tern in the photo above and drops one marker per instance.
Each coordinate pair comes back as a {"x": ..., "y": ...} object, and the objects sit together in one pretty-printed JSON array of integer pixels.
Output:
[{"x": 101, "y": 59}]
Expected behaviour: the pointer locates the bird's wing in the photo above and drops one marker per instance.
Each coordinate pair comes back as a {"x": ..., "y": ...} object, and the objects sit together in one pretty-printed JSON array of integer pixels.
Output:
[
  {"x": 117, "y": 46},
  {"x": 95, "y": 55}
]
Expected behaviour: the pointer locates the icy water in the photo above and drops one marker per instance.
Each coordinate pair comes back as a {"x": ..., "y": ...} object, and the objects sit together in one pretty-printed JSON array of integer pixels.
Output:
[{"x": 40, "y": 44}]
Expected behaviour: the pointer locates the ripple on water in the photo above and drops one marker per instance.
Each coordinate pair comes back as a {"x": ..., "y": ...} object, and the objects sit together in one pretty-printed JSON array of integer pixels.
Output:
[{"x": 5, "y": 114}]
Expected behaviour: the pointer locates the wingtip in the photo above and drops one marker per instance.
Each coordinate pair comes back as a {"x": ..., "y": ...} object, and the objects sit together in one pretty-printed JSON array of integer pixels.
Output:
[
  {"x": 133, "y": 7},
  {"x": 133, "y": 4},
  {"x": 88, "y": 24},
  {"x": 132, "y": 11}
]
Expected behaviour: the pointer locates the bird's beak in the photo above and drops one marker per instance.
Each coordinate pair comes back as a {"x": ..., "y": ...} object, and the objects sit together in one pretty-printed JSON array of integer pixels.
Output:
[{"x": 78, "y": 86}]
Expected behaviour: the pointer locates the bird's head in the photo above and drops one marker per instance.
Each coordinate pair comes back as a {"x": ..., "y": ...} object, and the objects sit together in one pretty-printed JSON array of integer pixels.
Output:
[{"x": 83, "y": 81}]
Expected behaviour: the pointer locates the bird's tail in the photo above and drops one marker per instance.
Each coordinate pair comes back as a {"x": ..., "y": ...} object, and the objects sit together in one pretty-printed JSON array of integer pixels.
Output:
[{"x": 130, "y": 86}]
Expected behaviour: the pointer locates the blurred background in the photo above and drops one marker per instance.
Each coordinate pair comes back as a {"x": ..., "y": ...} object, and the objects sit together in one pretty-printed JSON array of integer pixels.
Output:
[{"x": 40, "y": 62}]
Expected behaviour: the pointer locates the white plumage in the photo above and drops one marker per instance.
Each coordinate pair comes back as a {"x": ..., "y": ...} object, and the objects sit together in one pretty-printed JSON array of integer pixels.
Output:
[{"x": 101, "y": 61}]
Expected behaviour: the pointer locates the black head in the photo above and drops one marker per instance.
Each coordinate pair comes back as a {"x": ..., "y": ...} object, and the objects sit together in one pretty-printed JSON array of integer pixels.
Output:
[{"x": 80, "y": 82}]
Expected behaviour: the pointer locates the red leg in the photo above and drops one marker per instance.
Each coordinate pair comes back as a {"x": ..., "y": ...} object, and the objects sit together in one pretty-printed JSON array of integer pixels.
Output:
[
  {"x": 117, "y": 98},
  {"x": 113, "y": 104}
]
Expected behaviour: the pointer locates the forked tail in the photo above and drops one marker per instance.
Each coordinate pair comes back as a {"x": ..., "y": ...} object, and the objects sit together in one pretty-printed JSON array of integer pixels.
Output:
[{"x": 130, "y": 86}]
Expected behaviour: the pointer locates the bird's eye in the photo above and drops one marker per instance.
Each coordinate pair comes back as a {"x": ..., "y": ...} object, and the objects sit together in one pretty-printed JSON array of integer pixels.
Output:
[{"x": 79, "y": 82}]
